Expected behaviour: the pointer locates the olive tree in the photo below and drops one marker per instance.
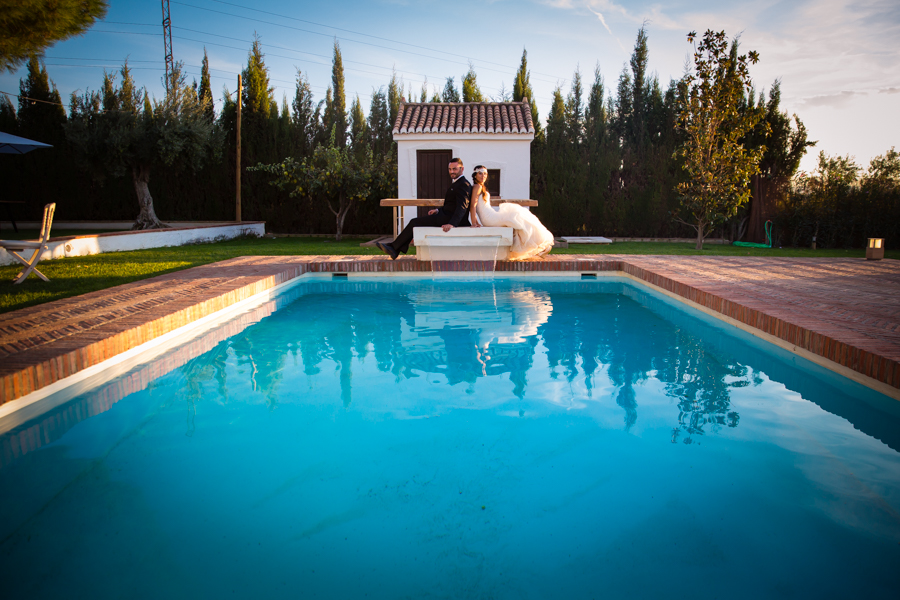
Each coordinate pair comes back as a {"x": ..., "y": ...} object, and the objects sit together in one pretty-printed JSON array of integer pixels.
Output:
[
  {"x": 119, "y": 130},
  {"x": 713, "y": 123},
  {"x": 336, "y": 174}
]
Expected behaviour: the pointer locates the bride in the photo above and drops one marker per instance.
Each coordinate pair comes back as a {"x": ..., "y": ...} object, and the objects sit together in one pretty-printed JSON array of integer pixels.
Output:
[{"x": 530, "y": 237}]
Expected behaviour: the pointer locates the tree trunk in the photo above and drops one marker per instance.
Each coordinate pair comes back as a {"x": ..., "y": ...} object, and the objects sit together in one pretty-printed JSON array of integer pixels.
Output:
[
  {"x": 340, "y": 215},
  {"x": 147, "y": 218},
  {"x": 700, "y": 227}
]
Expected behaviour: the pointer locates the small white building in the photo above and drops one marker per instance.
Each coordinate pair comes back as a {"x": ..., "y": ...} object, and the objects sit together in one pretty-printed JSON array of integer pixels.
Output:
[{"x": 497, "y": 135}]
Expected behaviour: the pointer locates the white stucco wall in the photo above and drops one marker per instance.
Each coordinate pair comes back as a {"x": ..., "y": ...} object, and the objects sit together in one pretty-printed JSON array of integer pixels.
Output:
[
  {"x": 511, "y": 153},
  {"x": 138, "y": 240}
]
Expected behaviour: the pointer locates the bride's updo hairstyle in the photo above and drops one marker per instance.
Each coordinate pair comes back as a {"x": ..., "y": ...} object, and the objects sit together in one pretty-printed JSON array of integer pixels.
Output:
[{"x": 477, "y": 167}]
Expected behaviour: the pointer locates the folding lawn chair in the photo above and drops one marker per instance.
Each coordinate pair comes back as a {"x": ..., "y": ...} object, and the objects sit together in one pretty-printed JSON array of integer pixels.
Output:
[{"x": 15, "y": 246}]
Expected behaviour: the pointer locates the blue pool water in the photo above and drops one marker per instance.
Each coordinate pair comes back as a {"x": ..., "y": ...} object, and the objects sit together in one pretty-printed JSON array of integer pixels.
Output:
[{"x": 401, "y": 438}]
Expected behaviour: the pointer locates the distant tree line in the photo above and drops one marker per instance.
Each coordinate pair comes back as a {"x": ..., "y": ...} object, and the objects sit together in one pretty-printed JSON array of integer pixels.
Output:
[
  {"x": 606, "y": 162},
  {"x": 839, "y": 204}
]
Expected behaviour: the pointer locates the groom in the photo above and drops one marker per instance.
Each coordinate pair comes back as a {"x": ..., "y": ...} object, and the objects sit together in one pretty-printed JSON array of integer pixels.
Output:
[{"x": 454, "y": 212}]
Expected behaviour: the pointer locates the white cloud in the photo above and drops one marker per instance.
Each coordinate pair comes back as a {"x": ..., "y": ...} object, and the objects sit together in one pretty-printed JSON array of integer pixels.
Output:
[
  {"x": 839, "y": 100},
  {"x": 602, "y": 20}
]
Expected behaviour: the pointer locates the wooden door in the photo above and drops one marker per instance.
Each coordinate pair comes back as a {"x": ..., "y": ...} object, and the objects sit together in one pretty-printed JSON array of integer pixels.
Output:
[{"x": 432, "y": 178}]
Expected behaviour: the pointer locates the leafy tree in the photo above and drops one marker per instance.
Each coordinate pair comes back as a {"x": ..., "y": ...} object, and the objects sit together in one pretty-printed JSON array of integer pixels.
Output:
[
  {"x": 204, "y": 92},
  {"x": 880, "y": 198},
  {"x": 41, "y": 114},
  {"x": 332, "y": 173},
  {"x": 841, "y": 206},
  {"x": 717, "y": 164},
  {"x": 450, "y": 92},
  {"x": 470, "y": 90},
  {"x": 522, "y": 89},
  {"x": 884, "y": 169},
  {"x": 304, "y": 118},
  {"x": 28, "y": 27},
  {"x": 338, "y": 116},
  {"x": 129, "y": 133}
]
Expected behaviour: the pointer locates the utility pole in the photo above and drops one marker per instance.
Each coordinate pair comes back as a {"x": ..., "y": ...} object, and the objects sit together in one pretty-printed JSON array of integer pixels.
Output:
[
  {"x": 237, "y": 171},
  {"x": 167, "y": 42}
]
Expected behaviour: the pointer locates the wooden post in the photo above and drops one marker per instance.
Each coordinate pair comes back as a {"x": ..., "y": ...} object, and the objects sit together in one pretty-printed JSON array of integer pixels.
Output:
[{"x": 237, "y": 171}]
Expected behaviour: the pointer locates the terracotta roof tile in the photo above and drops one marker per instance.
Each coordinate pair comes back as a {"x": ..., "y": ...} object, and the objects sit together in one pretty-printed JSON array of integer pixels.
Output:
[{"x": 464, "y": 117}]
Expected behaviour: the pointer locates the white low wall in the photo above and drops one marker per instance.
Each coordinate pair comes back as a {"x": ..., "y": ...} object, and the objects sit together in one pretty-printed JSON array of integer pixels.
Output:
[
  {"x": 111, "y": 225},
  {"x": 140, "y": 240}
]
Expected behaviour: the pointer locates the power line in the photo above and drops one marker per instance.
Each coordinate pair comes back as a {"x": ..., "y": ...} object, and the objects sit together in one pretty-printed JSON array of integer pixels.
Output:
[
  {"x": 74, "y": 58},
  {"x": 345, "y": 39},
  {"x": 367, "y": 35}
]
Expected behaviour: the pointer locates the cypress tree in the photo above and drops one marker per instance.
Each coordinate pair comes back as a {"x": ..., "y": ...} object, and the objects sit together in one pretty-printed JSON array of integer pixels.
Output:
[
  {"x": 327, "y": 117},
  {"x": 595, "y": 112},
  {"x": 379, "y": 123},
  {"x": 394, "y": 92},
  {"x": 450, "y": 92},
  {"x": 602, "y": 158},
  {"x": 339, "y": 99},
  {"x": 623, "y": 104},
  {"x": 204, "y": 92},
  {"x": 636, "y": 127},
  {"x": 257, "y": 98},
  {"x": 470, "y": 90},
  {"x": 522, "y": 89},
  {"x": 37, "y": 119},
  {"x": 574, "y": 110},
  {"x": 359, "y": 130},
  {"x": 305, "y": 119},
  {"x": 9, "y": 122}
]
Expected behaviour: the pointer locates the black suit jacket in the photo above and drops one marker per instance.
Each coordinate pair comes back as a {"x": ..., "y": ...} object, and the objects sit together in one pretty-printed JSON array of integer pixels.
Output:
[{"x": 456, "y": 202}]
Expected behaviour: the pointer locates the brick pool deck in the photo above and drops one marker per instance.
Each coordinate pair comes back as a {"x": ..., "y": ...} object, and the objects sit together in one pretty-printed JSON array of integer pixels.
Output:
[{"x": 843, "y": 310}]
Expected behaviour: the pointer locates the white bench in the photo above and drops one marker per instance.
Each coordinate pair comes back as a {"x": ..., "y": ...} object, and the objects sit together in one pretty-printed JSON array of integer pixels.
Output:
[{"x": 463, "y": 243}]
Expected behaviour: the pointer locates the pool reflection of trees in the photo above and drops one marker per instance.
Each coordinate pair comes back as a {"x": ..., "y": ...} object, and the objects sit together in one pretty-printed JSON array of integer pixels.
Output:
[{"x": 469, "y": 331}]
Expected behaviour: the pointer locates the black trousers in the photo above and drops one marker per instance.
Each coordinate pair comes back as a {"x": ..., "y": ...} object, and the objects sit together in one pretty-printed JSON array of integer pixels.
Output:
[{"x": 401, "y": 244}]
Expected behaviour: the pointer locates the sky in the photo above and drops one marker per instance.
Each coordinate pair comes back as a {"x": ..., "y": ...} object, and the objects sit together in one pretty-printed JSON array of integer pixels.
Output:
[{"x": 838, "y": 61}]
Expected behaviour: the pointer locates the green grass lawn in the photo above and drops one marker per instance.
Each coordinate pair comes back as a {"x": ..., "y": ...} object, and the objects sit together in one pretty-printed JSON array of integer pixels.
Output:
[{"x": 74, "y": 276}]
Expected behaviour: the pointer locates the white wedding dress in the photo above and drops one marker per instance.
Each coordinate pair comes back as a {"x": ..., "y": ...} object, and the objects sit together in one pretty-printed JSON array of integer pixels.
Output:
[{"x": 530, "y": 237}]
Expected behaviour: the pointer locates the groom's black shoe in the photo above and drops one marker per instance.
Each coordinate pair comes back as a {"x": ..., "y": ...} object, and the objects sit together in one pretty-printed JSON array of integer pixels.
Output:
[{"x": 388, "y": 249}]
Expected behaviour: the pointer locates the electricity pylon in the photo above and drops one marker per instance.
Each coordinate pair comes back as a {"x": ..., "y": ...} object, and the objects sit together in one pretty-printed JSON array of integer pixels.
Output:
[{"x": 167, "y": 41}]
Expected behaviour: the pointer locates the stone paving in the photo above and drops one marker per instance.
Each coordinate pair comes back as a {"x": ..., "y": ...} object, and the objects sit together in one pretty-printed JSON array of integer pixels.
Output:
[{"x": 845, "y": 310}]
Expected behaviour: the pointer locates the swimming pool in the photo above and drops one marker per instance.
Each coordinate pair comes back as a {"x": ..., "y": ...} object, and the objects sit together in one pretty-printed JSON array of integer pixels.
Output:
[{"x": 506, "y": 438}]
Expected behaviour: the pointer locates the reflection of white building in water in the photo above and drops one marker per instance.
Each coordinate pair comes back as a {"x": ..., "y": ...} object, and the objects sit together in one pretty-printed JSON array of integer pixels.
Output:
[{"x": 469, "y": 333}]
